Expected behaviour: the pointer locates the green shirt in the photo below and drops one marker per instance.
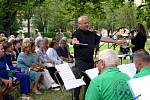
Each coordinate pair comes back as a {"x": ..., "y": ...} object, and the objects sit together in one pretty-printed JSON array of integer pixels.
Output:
[
  {"x": 110, "y": 85},
  {"x": 143, "y": 72}
]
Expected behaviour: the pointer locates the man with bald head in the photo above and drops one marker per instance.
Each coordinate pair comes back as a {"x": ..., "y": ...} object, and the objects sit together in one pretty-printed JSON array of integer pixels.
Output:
[{"x": 84, "y": 42}]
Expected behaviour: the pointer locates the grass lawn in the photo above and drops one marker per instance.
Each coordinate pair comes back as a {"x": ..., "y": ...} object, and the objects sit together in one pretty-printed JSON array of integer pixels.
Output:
[
  {"x": 53, "y": 95},
  {"x": 49, "y": 95}
]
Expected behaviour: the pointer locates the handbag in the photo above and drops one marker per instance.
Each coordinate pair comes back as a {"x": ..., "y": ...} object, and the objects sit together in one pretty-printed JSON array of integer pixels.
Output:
[{"x": 37, "y": 67}]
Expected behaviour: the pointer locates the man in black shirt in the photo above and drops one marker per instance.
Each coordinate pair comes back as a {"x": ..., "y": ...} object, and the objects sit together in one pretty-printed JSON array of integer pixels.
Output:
[{"x": 84, "y": 42}]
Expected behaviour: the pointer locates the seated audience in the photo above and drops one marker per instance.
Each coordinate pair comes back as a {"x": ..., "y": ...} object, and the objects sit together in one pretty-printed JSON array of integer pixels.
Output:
[
  {"x": 41, "y": 53},
  {"x": 52, "y": 54},
  {"x": 47, "y": 81},
  {"x": 44, "y": 59},
  {"x": 17, "y": 47},
  {"x": 26, "y": 60},
  {"x": 111, "y": 84},
  {"x": 6, "y": 65},
  {"x": 46, "y": 43},
  {"x": 11, "y": 39},
  {"x": 141, "y": 59},
  {"x": 2, "y": 39},
  {"x": 37, "y": 41},
  {"x": 63, "y": 52},
  {"x": 9, "y": 52}
]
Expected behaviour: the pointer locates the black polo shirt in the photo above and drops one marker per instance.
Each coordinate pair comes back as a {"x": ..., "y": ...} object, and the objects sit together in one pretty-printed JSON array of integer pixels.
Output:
[{"x": 85, "y": 52}]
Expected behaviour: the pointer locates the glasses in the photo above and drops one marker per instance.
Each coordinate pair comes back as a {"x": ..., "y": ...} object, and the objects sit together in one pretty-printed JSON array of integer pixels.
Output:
[{"x": 99, "y": 60}]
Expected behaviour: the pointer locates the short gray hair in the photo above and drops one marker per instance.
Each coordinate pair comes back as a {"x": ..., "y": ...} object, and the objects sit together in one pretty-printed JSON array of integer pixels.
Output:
[
  {"x": 142, "y": 55},
  {"x": 81, "y": 18},
  {"x": 38, "y": 40},
  {"x": 109, "y": 57}
]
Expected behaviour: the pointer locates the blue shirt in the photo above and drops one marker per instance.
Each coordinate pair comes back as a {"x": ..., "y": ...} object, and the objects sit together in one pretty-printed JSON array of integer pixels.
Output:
[{"x": 4, "y": 73}]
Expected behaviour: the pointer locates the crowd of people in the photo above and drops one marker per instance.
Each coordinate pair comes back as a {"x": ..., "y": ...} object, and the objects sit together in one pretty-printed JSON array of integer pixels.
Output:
[{"x": 29, "y": 61}]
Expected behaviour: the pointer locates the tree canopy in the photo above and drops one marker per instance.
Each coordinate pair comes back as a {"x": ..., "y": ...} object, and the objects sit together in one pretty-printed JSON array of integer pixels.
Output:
[{"x": 49, "y": 15}]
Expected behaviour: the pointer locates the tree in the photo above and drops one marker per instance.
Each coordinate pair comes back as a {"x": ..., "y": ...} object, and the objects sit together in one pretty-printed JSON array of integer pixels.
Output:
[
  {"x": 143, "y": 15},
  {"x": 29, "y": 9},
  {"x": 8, "y": 15},
  {"x": 126, "y": 16}
]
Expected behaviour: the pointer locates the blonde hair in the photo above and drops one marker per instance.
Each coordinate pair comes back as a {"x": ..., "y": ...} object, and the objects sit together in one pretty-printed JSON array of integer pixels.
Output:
[
  {"x": 26, "y": 43},
  {"x": 109, "y": 57},
  {"x": 26, "y": 40}
]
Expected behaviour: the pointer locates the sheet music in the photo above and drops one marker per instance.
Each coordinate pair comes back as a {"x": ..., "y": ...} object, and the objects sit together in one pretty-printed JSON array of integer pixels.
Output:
[
  {"x": 128, "y": 69},
  {"x": 68, "y": 77},
  {"x": 80, "y": 82},
  {"x": 140, "y": 87},
  {"x": 92, "y": 73}
]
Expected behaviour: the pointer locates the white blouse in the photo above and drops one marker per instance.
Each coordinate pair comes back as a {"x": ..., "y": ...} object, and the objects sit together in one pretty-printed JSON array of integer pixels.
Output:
[{"x": 52, "y": 54}]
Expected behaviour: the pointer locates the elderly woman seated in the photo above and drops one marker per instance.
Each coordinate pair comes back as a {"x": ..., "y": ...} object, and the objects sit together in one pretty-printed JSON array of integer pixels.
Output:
[
  {"x": 111, "y": 84},
  {"x": 41, "y": 58},
  {"x": 46, "y": 43},
  {"x": 41, "y": 54},
  {"x": 26, "y": 61},
  {"x": 63, "y": 51},
  {"x": 45, "y": 60}
]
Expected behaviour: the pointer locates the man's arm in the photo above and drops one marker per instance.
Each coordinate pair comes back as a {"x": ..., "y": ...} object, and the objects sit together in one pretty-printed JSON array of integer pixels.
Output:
[{"x": 110, "y": 40}]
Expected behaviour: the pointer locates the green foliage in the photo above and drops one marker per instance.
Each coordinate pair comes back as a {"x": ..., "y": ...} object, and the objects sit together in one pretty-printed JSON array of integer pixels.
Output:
[
  {"x": 143, "y": 14},
  {"x": 126, "y": 16},
  {"x": 68, "y": 35},
  {"x": 49, "y": 34},
  {"x": 50, "y": 15}
]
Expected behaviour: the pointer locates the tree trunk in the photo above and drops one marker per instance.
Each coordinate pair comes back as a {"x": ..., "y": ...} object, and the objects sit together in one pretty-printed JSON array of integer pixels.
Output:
[{"x": 28, "y": 25}]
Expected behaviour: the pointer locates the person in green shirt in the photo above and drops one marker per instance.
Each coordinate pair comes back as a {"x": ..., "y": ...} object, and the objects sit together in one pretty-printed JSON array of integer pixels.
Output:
[
  {"x": 141, "y": 60},
  {"x": 111, "y": 84}
]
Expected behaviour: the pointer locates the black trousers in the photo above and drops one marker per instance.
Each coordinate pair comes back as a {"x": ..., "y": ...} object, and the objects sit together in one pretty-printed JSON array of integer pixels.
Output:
[
  {"x": 52, "y": 71},
  {"x": 80, "y": 67}
]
